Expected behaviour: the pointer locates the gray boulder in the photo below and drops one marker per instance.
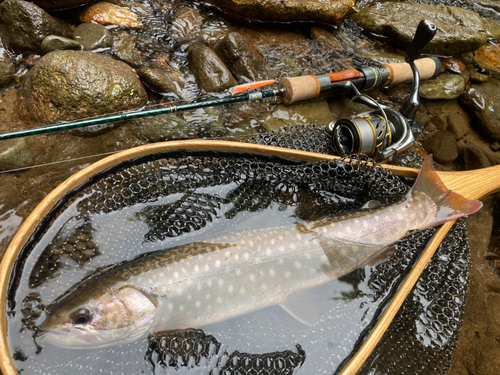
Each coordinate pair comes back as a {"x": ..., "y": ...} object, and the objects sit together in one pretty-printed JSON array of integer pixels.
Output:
[{"x": 459, "y": 30}]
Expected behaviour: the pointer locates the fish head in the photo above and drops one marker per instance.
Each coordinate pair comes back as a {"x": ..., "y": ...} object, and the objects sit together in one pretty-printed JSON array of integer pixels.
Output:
[{"x": 93, "y": 318}]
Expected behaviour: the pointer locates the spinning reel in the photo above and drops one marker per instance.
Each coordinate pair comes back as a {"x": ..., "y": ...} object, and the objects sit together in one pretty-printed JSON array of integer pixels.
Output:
[{"x": 383, "y": 133}]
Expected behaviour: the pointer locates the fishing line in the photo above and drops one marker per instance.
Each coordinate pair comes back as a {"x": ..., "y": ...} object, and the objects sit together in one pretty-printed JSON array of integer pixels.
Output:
[{"x": 59, "y": 162}]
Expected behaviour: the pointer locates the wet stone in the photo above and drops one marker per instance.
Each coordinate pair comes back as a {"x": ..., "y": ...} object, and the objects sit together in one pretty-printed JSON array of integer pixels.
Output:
[
  {"x": 443, "y": 146},
  {"x": 242, "y": 59},
  {"x": 460, "y": 30},
  {"x": 162, "y": 128},
  {"x": 484, "y": 101},
  {"x": 453, "y": 65},
  {"x": 7, "y": 71},
  {"x": 86, "y": 84},
  {"x": 92, "y": 36},
  {"x": 54, "y": 43},
  {"x": 110, "y": 14},
  {"x": 445, "y": 86},
  {"x": 286, "y": 11},
  {"x": 23, "y": 26},
  {"x": 492, "y": 27},
  {"x": 210, "y": 72},
  {"x": 488, "y": 59},
  {"x": 125, "y": 48},
  {"x": 316, "y": 112},
  {"x": 474, "y": 158},
  {"x": 327, "y": 41},
  {"x": 164, "y": 80},
  {"x": 15, "y": 153},
  {"x": 186, "y": 26}
]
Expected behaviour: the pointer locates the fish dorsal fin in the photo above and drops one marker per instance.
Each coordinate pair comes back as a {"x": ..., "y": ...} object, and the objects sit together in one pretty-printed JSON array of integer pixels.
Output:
[
  {"x": 303, "y": 306},
  {"x": 449, "y": 205}
]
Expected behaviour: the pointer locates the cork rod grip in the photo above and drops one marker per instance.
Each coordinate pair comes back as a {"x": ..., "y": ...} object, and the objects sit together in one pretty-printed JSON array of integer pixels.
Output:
[
  {"x": 298, "y": 89},
  {"x": 401, "y": 72}
]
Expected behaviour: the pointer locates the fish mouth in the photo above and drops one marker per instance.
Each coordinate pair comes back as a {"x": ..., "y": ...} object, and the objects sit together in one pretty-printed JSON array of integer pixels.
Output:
[{"x": 75, "y": 337}]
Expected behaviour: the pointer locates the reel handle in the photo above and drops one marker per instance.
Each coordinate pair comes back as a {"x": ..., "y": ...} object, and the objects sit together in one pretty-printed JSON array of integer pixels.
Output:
[{"x": 423, "y": 35}]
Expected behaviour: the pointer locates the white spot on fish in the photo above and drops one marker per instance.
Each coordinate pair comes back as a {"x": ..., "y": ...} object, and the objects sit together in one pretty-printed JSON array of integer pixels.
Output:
[
  {"x": 181, "y": 307},
  {"x": 207, "y": 296},
  {"x": 252, "y": 277},
  {"x": 298, "y": 236},
  {"x": 298, "y": 265},
  {"x": 196, "y": 268},
  {"x": 293, "y": 246},
  {"x": 220, "y": 282},
  {"x": 236, "y": 257},
  {"x": 308, "y": 256},
  {"x": 209, "y": 283},
  {"x": 272, "y": 272},
  {"x": 287, "y": 274},
  {"x": 227, "y": 253},
  {"x": 219, "y": 299},
  {"x": 238, "y": 271},
  {"x": 250, "y": 243},
  {"x": 281, "y": 261},
  {"x": 273, "y": 241},
  {"x": 242, "y": 290},
  {"x": 356, "y": 221},
  {"x": 206, "y": 268},
  {"x": 217, "y": 263},
  {"x": 176, "y": 274},
  {"x": 171, "y": 306},
  {"x": 230, "y": 289},
  {"x": 197, "y": 303},
  {"x": 246, "y": 256},
  {"x": 198, "y": 287},
  {"x": 263, "y": 286},
  {"x": 189, "y": 297},
  {"x": 268, "y": 251}
]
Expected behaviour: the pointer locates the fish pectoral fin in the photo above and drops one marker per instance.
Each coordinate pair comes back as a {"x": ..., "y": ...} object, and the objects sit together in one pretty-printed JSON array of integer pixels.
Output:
[
  {"x": 183, "y": 320},
  {"x": 380, "y": 255},
  {"x": 303, "y": 306}
]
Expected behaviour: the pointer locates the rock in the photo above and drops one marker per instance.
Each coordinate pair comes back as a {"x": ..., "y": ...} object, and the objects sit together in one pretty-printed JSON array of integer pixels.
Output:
[
  {"x": 445, "y": 86},
  {"x": 484, "y": 101},
  {"x": 186, "y": 26},
  {"x": 23, "y": 26},
  {"x": 458, "y": 121},
  {"x": 210, "y": 72},
  {"x": 459, "y": 30},
  {"x": 51, "y": 5},
  {"x": 162, "y": 128},
  {"x": 68, "y": 85},
  {"x": 124, "y": 48},
  {"x": 329, "y": 12},
  {"x": 164, "y": 80},
  {"x": 7, "y": 71},
  {"x": 379, "y": 56},
  {"x": 54, "y": 43},
  {"x": 327, "y": 41},
  {"x": 477, "y": 77},
  {"x": 316, "y": 112},
  {"x": 492, "y": 27},
  {"x": 110, "y": 14},
  {"x": 488, "y": 59},
  {"x": 9, "y": 197},
  {"x": 474, "y": 158},
  {"x": 15, "y": 153},
  {"x": 244, "y": 61},
  {"x": 213, "y": 31},
  {"x": 208, "y": 122},
  {"x": 453, "y": 65},
  {"x": 443, "y": 146},
  {"x": 92, "y": 36}
]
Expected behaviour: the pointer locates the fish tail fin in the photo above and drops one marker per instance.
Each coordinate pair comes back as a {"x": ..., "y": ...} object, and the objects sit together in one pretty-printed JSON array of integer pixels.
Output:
[{"x": 450, "y": 205}]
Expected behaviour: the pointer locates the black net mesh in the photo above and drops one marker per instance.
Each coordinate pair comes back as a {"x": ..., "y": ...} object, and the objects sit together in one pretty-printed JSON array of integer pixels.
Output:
[{"x": 165, "y": 197}]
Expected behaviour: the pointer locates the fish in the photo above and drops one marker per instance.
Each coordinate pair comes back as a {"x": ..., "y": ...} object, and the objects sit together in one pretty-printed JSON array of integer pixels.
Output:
[{"x": 202, "y": 283}]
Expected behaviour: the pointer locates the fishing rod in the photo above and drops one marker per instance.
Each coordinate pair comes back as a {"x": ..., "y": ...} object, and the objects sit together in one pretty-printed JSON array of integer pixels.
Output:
[
  {"x": 292, "y": 90},
  {"x": 348, "y": 136}
]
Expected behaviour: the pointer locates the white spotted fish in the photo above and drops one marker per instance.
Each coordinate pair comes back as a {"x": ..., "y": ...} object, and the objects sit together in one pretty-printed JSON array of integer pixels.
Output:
[{"x": 194, "y": 285}]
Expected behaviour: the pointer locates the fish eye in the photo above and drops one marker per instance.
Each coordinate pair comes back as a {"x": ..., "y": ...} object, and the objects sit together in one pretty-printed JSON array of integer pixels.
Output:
[{"x": 81, "y": 315}]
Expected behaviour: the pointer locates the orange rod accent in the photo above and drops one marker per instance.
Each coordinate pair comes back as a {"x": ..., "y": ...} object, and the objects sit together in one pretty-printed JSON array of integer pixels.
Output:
[
  {"x": 344, "y": 75},
  {"x": 250, "y": 86}
]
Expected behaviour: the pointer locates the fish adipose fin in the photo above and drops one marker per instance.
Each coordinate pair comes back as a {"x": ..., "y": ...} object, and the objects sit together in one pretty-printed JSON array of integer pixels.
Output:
[
  {"x": 449, "y": 205},
  {"x": 303, "y": 306}
]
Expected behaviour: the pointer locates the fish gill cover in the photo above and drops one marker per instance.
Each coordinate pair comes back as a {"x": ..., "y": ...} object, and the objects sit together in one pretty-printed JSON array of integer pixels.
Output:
[{"x": 177, "y": 198}]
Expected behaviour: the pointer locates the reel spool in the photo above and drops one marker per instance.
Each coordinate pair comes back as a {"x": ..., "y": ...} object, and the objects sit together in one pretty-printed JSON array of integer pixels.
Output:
[{"x": 383, "y": 133}]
